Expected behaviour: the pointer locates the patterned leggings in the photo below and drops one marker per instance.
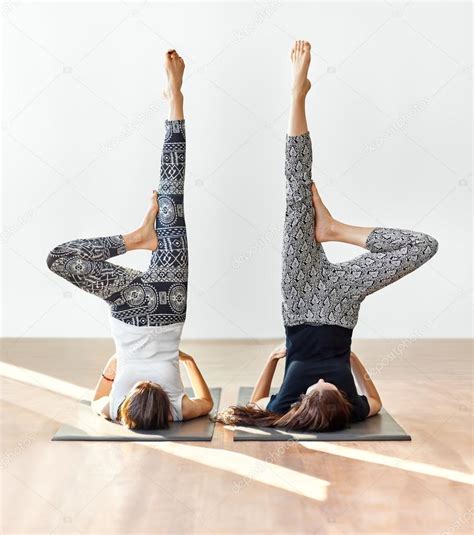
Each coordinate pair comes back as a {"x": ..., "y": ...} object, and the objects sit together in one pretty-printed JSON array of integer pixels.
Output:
[
  {"x": 317, "y": 291},
  {"x": 157, "y": 296}
]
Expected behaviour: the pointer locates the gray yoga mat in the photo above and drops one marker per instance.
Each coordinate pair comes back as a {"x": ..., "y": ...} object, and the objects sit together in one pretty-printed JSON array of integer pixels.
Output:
[
  {"x": 85, "y": 425},
  {"x": 379, "y": 427}
]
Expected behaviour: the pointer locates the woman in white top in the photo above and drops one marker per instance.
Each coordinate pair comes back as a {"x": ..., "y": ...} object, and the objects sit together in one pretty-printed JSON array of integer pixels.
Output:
[{"x": 141, "y": 385}]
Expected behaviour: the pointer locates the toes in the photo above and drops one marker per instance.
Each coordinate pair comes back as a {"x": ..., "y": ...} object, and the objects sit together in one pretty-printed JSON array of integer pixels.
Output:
[
  {"x": 299, "y": 48},
  {"x": 173, "y": 54}
]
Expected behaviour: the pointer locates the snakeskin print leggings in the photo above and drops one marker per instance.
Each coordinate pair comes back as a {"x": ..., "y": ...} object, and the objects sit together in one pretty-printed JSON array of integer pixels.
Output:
[
  {"x": 158, "y": 295},
  {"x": 317, "y": 291}
]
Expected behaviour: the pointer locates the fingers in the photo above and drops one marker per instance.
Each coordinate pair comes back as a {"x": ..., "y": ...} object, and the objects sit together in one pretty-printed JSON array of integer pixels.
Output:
[{"x": 281, "y": 348}]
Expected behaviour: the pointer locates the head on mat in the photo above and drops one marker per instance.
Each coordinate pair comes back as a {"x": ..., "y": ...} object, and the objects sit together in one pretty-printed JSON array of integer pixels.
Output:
[
  {"x": 146, "y": 406},
  {"x": 319, "y": 409}
]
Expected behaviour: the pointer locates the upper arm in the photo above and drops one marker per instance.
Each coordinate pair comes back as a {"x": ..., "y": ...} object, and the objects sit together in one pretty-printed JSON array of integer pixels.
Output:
[
  {"x": 374, "y": 406},
  {"x": 101, "y": 406},
  {"x": 193, "y": 408}
]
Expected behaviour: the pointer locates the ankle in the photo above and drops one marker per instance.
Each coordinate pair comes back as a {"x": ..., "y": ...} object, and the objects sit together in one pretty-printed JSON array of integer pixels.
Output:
[
  {"x": 133, "y": 240},
  {"x": 176, "y": 108},
  {"x": 331, "y": 230},
  {"x": 336, "y": 230},
  {"x": 175, "y": 96},
  {"x": 298, "y": 95}
]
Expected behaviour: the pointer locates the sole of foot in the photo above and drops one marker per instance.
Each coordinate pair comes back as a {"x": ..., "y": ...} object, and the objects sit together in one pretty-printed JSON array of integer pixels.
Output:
[
  {"x": 147, "y": 231},
  {"x": 326, "y": 225}
]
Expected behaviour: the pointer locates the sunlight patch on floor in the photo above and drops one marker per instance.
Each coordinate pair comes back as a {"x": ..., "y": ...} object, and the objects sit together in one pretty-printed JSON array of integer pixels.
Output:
[
  {"x": 392, "y": 462},
  {"x": 249, "y": 469},
  {"x": 46, "y": 382}
]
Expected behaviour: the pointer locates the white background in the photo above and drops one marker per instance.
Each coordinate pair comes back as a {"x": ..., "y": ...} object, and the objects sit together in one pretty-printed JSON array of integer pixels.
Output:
[{"x": 390, "y": 118}]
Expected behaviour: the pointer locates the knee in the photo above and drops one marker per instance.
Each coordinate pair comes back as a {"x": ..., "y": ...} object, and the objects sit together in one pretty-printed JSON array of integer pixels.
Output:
[
  {"x": 429, "y": 246},
  {"x": 50, "y": 259},
  {"x": 432, "y": 245},
  {"x": 53, "y": 256}
]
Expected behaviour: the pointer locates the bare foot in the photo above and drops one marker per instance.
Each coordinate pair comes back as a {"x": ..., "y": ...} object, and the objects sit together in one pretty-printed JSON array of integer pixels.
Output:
[
  {"x": 149, "y": 237},
  {"x": 326, "y": 226},
  {"x": 301, "y": 58},
  {"x": 145, "y": 236},
  {"x": 174, "y": 67}
]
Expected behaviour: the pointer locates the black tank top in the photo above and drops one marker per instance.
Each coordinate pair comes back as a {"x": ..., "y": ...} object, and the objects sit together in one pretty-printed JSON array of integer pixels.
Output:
[{"x": 318, "y": 352}]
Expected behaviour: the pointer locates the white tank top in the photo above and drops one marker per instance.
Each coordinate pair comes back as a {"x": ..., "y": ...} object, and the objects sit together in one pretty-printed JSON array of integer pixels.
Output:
[{"x": 147, "y": 354}]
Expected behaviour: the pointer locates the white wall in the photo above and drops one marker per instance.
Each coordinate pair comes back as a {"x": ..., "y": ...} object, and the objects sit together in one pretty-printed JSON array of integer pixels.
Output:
[{"x": 390, "y": 118}]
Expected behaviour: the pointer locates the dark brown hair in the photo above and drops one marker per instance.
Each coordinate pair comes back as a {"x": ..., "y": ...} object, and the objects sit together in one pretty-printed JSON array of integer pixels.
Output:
[
  {"x": 146, "y": 407},
  {"x": 320, "y": 410}
]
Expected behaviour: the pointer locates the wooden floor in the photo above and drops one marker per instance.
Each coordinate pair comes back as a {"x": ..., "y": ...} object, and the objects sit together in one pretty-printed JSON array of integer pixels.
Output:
[{"x": 423, "y": 486}]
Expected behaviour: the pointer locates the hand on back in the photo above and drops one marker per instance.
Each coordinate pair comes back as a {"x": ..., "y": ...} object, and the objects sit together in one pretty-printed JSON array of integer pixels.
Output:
[{"x": 279, "y": 352}]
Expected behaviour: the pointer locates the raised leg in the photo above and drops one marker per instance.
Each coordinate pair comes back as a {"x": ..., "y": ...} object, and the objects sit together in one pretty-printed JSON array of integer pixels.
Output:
[
  {"x": 302, "y": 256},
  {"x": 393, "y": 253},
  {"x": 84, "y": 263},
  {"x": 168, "y": 271},
  {"x": 315, "y": 290}
]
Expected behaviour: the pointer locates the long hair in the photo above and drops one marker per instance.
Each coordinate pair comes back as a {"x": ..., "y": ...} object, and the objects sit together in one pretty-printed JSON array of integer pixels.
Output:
[
  {"x": 146, "y": 407},
  {"x": 320, "y": 410}
]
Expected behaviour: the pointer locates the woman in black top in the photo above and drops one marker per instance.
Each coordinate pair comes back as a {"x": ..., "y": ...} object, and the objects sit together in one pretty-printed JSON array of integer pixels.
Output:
[{"x": 321, "y": 300}]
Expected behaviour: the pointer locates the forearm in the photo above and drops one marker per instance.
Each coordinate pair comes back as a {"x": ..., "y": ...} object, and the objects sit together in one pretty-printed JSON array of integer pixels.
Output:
[
  {"x": 104, "y": 384},
  {"x": 264, "y": 382},
  {"x": 201, "y": 390},
  {"x": 363, "y": 379}
]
